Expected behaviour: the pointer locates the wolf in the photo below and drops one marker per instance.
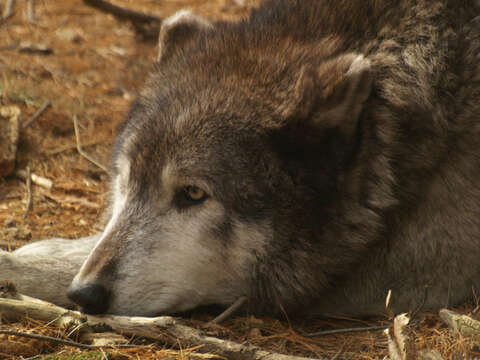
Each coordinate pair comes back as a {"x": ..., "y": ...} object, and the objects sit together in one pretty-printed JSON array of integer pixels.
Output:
[{"x": 312, "y": 157}]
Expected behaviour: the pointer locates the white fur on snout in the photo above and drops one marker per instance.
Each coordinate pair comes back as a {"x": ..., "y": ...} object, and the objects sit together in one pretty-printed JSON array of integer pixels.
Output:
[
  {"x": 185, "y": 265},
  {"x": 119, "y": 202},
  {"x": 174, "y": 269}
]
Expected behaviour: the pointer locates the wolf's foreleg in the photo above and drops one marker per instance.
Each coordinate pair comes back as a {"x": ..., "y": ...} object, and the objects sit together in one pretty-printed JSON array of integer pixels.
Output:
[{"x": 44, "y": 269}]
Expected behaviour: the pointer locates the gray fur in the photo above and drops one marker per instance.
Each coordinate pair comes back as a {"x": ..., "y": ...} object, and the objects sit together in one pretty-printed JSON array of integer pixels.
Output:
[
  {"x": 45, "y": 269},
  {"x": 338, "y": 145}
]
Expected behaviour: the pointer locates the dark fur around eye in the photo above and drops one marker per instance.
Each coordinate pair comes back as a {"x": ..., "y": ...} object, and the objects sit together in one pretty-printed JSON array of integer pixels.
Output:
[{"x": 183, "y": 197}]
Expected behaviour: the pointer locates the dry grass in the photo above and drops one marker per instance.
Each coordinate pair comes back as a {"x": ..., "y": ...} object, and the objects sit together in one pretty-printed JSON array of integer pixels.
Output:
[
  {"x": 270, "y": 334},
  {"x": 93, "y": 71}
]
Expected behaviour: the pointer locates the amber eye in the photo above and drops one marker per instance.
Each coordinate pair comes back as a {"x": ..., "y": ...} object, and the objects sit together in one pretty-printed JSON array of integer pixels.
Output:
[{"x": 194, "y": 193}]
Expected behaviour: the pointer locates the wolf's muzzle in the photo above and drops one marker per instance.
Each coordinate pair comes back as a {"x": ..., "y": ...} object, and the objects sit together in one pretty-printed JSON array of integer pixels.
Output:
[{"x": 92, "y": 298}]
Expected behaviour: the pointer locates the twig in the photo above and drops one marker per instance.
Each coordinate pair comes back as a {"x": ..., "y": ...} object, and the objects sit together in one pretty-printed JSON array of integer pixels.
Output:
[
  {"x": 475, "y": 297},
  {"x": 230, "y": 310},
  {"x": 29, "y": 193},
  {"x": 400, "y": 344},
  {"x": 48, "y": 338},
  {"x": 35, "y": 116},
  {"x": 63, "y": 341},
  {"x": 70, "y": 200},
  {"x": 163, "y": 328},
  {"x": 339, "y": 352},
  {"x": 71, "y": 147},
  {"x": 8, "y": 9},
  {"x": 389, "y": 311},
  {"x": 37, "y": 180},
  {"x": 31, "y": 12},
  {"x": 420, "y": 306},
  {"x": 121, "y": 13},
  {"x": 79, "y": 147},
  {"x": 147, "y": 25},
  {"x": 341, "y": 331}
]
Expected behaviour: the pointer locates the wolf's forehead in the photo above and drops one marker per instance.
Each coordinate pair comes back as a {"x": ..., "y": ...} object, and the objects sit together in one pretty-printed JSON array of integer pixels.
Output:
[
  {"x": 165, "y": 146},
  {"x": 201, "y": 133}
]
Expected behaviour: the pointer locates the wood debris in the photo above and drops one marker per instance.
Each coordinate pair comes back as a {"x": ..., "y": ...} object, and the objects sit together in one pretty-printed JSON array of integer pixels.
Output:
[
  {"x": 35, "y": 116},
  {"x": 145, "y": 24},
  {"x": 36, "y": 179},
  {"x": 30, "y": 47},
  {"x": 9, "y": 135},
  {"x": 70, "y": 201},
  {"x": 461, "y": 324},
  {"x": 164, "y": 328},
  {"x": 400, "y": 345}
]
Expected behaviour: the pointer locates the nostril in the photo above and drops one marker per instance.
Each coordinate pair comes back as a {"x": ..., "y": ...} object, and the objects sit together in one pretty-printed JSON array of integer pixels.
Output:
[{"x": 93, "y": 298}]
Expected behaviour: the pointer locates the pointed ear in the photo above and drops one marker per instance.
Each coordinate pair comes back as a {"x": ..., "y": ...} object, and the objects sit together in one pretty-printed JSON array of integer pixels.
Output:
[
  {"x": 333, "y": 94},
  {"x": 178, "y": 29}
]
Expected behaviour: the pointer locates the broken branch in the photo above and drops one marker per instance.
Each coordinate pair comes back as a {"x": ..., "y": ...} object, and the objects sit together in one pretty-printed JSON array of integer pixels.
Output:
[
  {"x": 147, "y": 25},
  {"x": 38, "y": 180},
  {"x": 48, "y": 338},
  {"x": 461, "y": 324},
  {"x": 66, "y": 342},
  {"x": 345, "y": 330},
  {"x": 164, "y": 328},
  {"x": 70, "y": 200},
  {"x": 35, "y": 116},
  {"x": 8, "y": 9},
  {"x": 31, "y": 12},
  {"x": 28, "y": 207},
  {"x": 230, "y": 310},
  {"x": 79, "y": 147}
]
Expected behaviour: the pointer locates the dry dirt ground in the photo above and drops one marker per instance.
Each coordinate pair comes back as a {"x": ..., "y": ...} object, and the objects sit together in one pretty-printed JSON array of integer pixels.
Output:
[{"x": 89, "y": 65}]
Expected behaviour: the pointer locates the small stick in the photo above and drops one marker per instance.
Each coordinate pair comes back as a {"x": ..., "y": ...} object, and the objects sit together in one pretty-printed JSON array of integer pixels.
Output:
[
  {"x": 71, "y": 200},
  {"x": 37, "y": 180},
  {"x": 230, "y": 310},
  {"x": 341, "y": 331},
  {"x": 35, "y": 116},
  {"x": 62, "y": 341},
  {"x": 48, "y": 338},
  {"x": 8, "y": 9},
  {"x": 121, "y": 13},
  {"x": 29, "y": 193},
  {"x": 146, "y": 25},
  {"x": 339, "y": 352},
  {"x": 70, "y": 147},
  {"x": 79, "y": 147},
  {"x": 164, "y": 328},
  {"x": 31, "y": 12}
]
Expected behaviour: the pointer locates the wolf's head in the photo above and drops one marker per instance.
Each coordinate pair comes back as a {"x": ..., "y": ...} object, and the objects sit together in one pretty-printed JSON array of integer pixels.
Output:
[{"x": 226, "y": 173}]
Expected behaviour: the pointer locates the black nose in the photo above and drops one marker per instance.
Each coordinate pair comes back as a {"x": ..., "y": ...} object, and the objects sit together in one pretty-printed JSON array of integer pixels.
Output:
[{"x": 93, "y": 298}]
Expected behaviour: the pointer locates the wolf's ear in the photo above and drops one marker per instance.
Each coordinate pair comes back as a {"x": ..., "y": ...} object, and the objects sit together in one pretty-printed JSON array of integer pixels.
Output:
[
  {"x": 332, "y": 95},
  {"x": 177, "y": 29}
]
